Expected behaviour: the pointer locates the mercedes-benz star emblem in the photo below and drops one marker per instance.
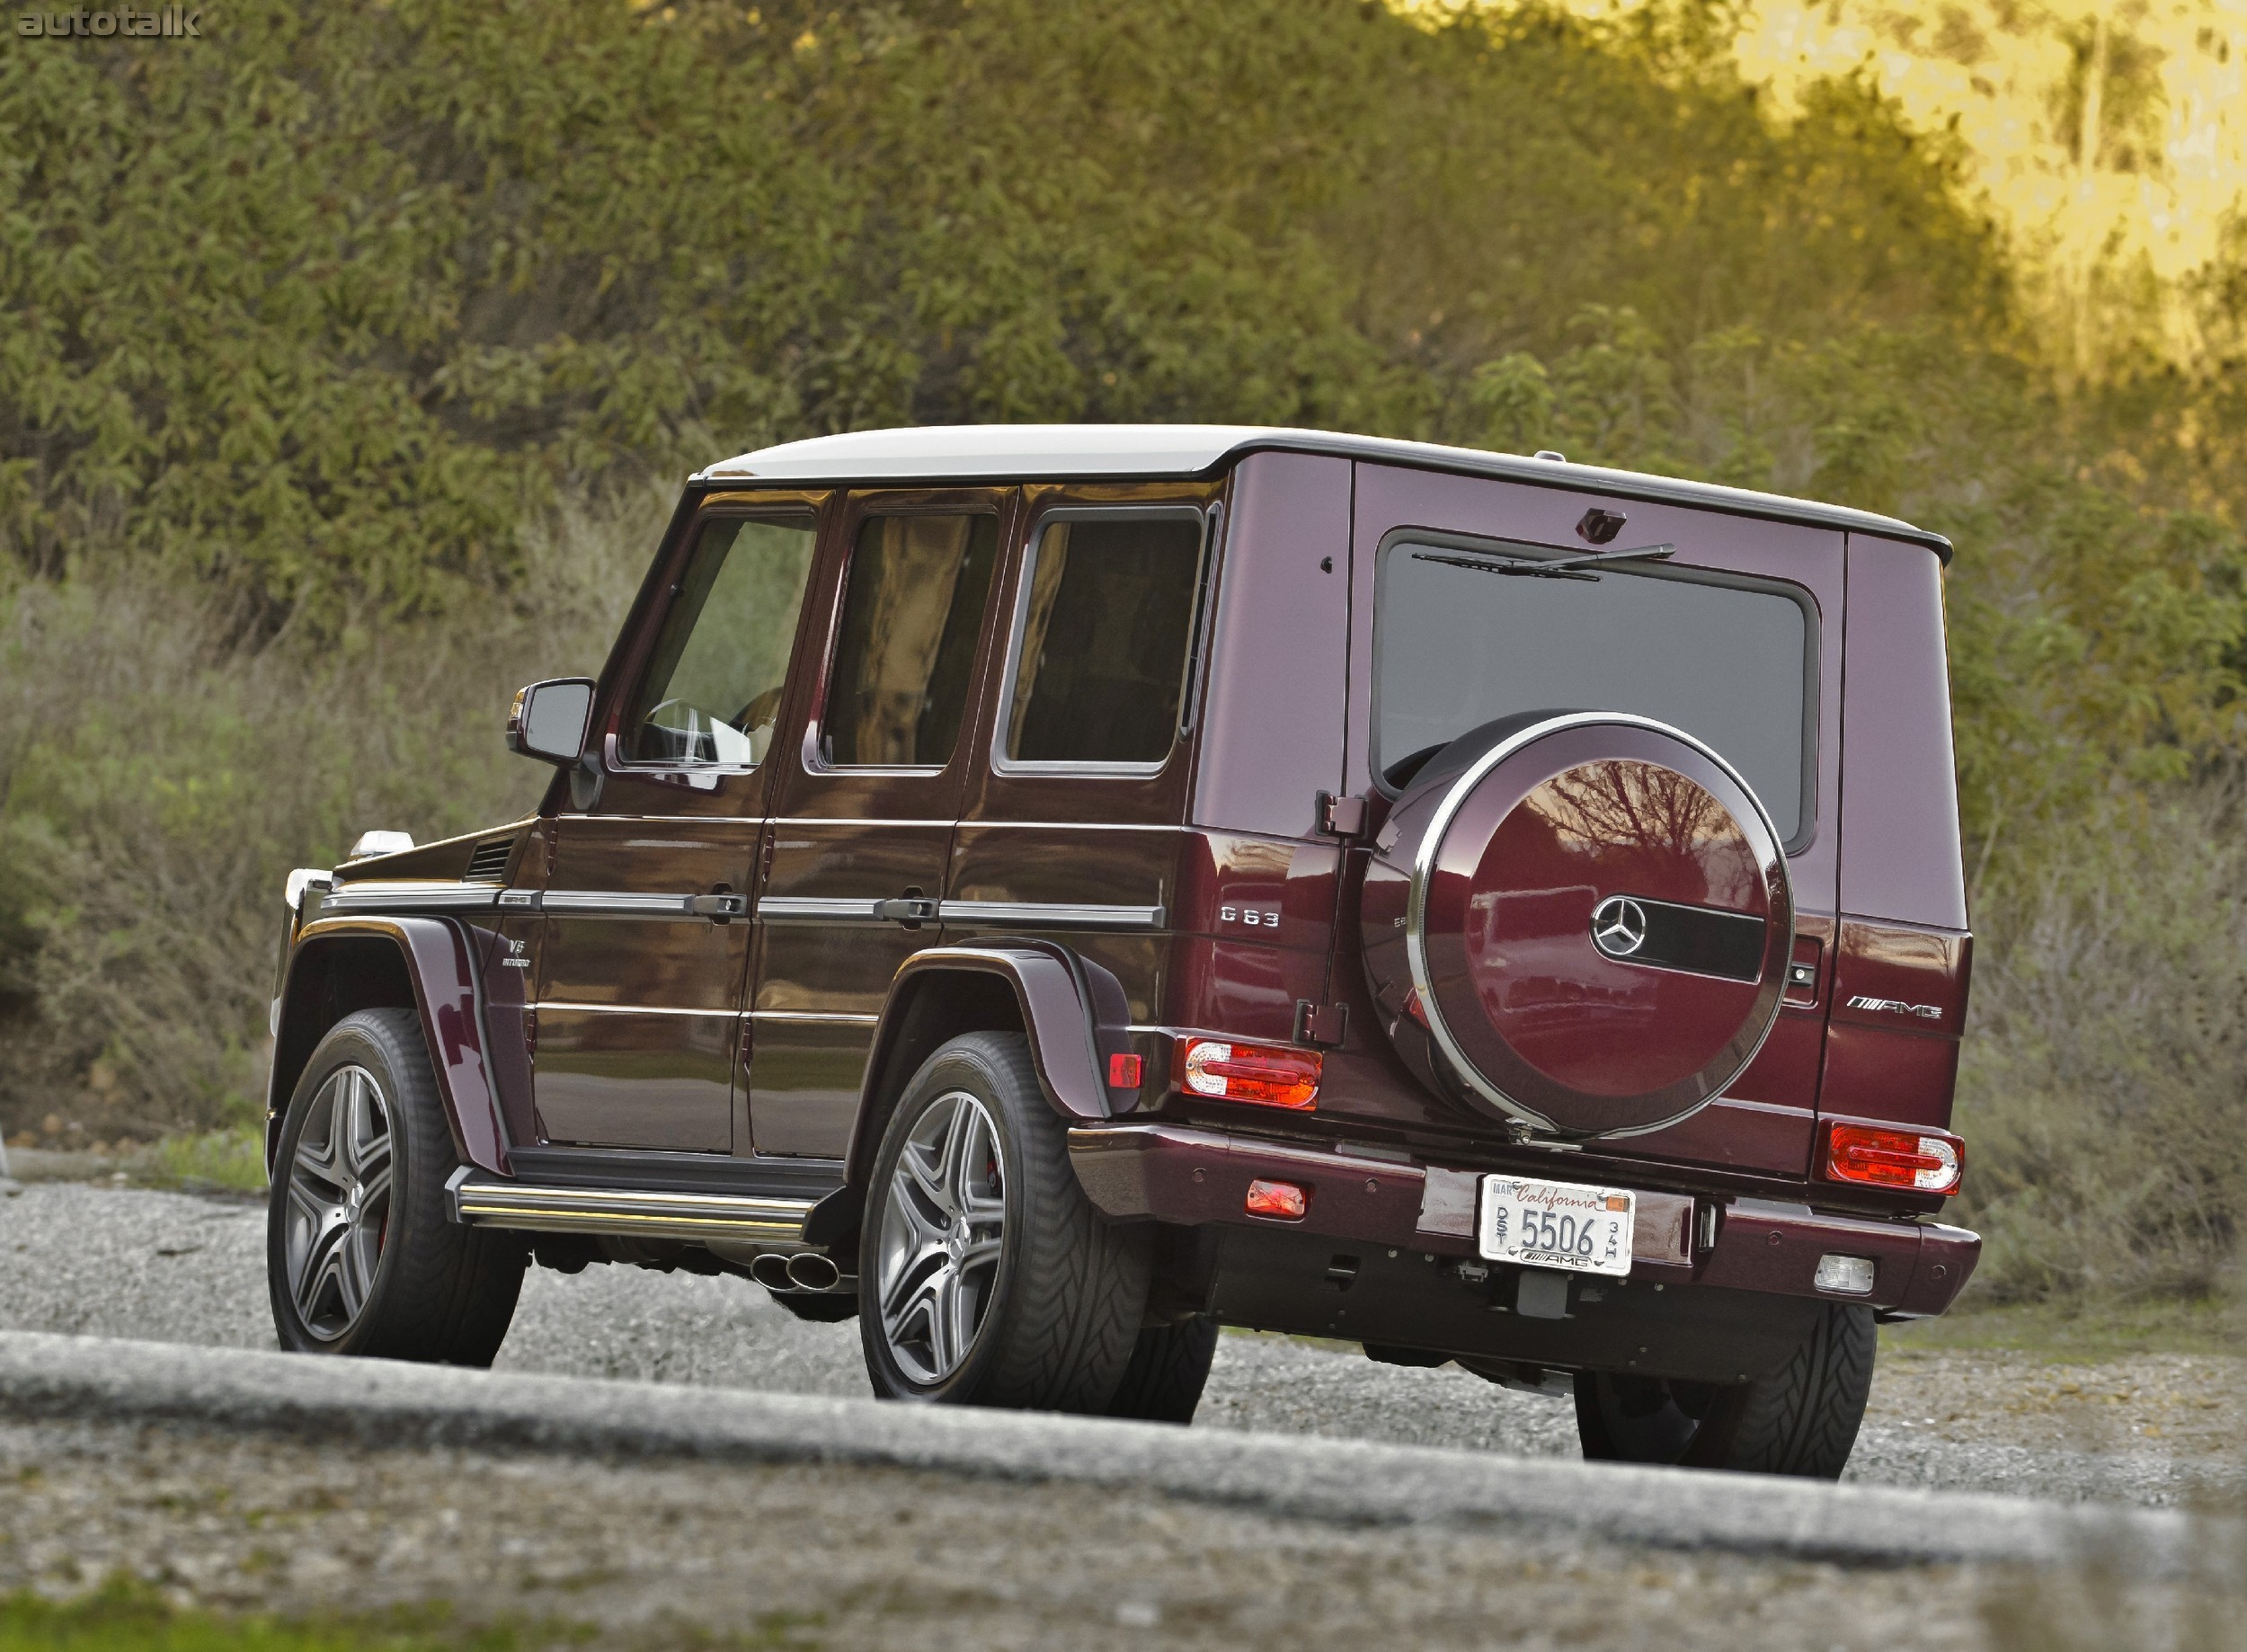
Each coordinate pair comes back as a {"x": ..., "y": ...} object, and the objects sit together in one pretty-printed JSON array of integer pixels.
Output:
[{"x": 1619, "y": 926}]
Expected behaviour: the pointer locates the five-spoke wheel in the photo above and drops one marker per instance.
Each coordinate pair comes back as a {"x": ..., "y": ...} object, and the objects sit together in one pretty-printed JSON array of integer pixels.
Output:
[
  {"x": 985, "y": 1275},
  {"x": 338, "y": 1201},
  {"x": 945, "y": 1228},
  {"x": 361, "y": 1256}
]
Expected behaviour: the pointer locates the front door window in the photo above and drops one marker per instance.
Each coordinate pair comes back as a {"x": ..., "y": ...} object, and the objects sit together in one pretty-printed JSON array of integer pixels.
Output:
[{"x": 711, "y": 693}]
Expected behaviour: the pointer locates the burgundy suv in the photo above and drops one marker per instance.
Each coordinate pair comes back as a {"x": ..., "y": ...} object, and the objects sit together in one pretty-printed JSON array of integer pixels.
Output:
[{"x": 1050, "y": 891}]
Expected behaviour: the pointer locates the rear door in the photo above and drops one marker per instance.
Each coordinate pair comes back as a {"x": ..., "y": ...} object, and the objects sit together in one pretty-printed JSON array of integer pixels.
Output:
[
  {"x": 1071, "y": 829},
  {"x": 645, "y": 939},
  {"x": 866, "y": 802}
]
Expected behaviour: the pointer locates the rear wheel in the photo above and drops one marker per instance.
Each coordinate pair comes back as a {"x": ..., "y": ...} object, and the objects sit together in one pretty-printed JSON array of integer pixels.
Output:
[
  {"x": 1803, "y": 1420},
  {"x": 985, "y": 1276},
  {"x": 361, "y": 1257}
]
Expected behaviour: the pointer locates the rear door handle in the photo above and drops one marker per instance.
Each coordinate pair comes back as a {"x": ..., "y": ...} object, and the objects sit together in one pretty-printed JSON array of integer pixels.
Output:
[{"x": 912, "y": 911}]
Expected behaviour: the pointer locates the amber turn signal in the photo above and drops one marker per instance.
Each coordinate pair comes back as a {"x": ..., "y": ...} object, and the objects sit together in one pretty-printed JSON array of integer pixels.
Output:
[
  {"x": 1284, "y": 1200},
  {"x": 1268, "y": 1075},
  {"x": 1919, "y": 1160}
]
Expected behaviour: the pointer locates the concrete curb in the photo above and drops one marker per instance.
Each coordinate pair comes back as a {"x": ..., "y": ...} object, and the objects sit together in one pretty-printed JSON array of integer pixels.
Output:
[{"x": 379, "y": 1403}]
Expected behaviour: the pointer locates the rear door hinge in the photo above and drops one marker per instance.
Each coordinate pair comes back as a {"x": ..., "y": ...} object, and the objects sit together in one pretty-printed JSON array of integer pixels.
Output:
[
  {"x": 1341, "y": 817},
  {"x": 1321, "y": 1026}
]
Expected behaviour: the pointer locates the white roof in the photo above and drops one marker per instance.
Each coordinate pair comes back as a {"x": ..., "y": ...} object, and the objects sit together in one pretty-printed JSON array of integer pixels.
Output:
[{"x": 1056, "y": 452}]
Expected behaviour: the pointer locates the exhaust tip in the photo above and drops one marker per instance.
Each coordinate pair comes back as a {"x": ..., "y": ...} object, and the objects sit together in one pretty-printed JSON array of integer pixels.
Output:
[
  {"x": 810, "y": 1272},
  {"x": 770, "y": 1270}
]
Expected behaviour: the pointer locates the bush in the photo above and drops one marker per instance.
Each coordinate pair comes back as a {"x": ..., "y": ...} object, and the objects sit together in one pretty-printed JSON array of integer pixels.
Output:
[
  {"x": 159, "y": 777},
  {"x": 2103, "y": 1087}
]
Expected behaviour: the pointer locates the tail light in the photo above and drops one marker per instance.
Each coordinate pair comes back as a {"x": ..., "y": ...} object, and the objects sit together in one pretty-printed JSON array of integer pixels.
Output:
[
  {"x": 1267, "y": 1075},
  {"x": 1917, "y": 1160},
  {"x": 1284, "y": 1200}
]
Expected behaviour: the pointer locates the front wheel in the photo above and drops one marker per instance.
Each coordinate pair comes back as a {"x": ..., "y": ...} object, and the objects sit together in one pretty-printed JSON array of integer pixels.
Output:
[
  {"x": 985, "y": 1275},
  {"x": 360, "y": 1255},
  {"x": 1802, "y": 1420}
]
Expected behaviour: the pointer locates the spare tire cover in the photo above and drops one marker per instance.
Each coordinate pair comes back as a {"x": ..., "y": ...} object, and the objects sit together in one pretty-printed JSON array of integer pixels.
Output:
[{"x": 1579, "y": 922}]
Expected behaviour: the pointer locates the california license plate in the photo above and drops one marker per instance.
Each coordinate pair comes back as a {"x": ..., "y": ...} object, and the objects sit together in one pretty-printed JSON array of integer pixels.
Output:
[{"x": 1563, "y": 1225}]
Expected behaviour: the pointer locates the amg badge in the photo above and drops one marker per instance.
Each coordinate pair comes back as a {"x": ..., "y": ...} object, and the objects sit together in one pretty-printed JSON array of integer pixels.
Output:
[{"x": 1897, "y": 1006}]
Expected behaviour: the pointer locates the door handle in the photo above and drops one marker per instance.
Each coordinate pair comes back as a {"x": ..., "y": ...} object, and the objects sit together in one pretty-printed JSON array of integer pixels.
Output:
[
  {"x": 718, "y": 906},
  {"x": 911, "y": 911}
]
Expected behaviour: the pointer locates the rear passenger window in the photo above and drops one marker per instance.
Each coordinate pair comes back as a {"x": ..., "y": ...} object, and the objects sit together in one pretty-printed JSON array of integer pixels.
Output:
[
  {"x": 913, "y": 613},
  {"x": 1105, "y": 632}
]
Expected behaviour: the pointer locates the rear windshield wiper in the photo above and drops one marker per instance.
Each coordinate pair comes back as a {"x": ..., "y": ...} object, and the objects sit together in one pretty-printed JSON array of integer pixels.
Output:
[{"x": 1558, "y": 568}]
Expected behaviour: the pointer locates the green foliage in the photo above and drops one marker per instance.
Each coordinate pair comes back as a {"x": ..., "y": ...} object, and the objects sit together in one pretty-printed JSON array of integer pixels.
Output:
[
  {"x": 232, "y": 1160},
  {"x": 397, "y": 274},
  {"x": 158, "y": 780},
  {"x": 126, "y": 1617}
]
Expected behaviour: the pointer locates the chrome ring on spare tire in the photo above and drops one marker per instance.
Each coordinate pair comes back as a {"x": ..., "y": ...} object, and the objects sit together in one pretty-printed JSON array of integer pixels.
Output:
[
  {"x": 340, "y": 1181},
  {"x": 943, "y": 1225}
]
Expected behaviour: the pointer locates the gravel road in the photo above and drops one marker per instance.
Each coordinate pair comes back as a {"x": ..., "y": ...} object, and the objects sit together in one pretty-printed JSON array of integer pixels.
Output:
[
  {"x": 109, "y": 1261},
  {"x": 563, "y": 1552}
]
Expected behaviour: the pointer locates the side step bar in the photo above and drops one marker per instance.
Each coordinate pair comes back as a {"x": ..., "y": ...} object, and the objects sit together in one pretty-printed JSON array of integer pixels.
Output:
[{"x": 492, "y": 1201}]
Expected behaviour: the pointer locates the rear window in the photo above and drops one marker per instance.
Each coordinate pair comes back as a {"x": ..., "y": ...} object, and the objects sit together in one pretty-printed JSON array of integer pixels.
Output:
[{"x": 1457, "y": 644}]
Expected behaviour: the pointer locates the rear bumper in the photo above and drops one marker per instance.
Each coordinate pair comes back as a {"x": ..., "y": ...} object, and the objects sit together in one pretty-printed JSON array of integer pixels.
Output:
[{"x": 1189, "y": 1176}]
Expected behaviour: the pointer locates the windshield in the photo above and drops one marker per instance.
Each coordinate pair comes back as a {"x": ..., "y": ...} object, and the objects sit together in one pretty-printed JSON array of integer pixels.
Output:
[{"x": 1726, "y": 660}]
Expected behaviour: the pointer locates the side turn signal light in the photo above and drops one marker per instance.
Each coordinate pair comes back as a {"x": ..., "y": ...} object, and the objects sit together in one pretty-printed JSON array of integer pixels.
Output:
[
  {"x": 1268, "y": 1075},
  {"x": 1282, "y": 1199},
  {"x": 1917, "y": 1160}
]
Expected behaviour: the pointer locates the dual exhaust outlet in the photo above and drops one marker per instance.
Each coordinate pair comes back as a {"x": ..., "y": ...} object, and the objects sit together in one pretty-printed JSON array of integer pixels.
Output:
[{"x": 806, "y": 1270}]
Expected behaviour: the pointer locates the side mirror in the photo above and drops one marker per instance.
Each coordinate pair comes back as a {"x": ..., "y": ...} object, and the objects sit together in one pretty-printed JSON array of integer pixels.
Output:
[{"x": 548, "y": 720}]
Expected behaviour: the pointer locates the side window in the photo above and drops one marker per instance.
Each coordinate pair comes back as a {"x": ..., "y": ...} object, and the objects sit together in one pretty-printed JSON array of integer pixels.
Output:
[
  {"x": 712, "y": 691},
  {"x": 1101, "y": 653},
  {"x": 913, "y": 613}
]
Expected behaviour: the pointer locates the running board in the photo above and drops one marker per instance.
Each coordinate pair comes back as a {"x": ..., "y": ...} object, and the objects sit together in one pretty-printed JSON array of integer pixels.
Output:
[{"x": 492, "y": 1201}]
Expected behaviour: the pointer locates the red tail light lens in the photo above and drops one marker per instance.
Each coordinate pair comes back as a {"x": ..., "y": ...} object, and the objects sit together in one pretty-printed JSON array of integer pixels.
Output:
[
  {"x": 1124, "y": 1072},
  {"x": 1919, "y": 1160},
  {"x": 1282, "y": 1199},
  {"x": 1264, "y": 1074}
]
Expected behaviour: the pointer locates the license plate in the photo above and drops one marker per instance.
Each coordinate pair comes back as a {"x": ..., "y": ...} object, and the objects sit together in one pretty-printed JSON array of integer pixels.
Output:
[{"x": 1563, "y": 1225}]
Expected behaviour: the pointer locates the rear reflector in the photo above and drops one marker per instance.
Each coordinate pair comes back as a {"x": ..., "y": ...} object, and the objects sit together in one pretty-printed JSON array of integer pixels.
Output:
[
  {"x": 1845, "y": 1276},
  {"x": 1124, "y": 1072},
  {"x": 1919, "y": 1160},
  {"x": 1264, "y": 1074},
  {"x": 1282, "y": 1199}
]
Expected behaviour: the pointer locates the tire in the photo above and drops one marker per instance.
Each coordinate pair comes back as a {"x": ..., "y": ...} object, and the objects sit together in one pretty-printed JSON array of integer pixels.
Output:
[
  {"x": 1802, "y": 1421},
  {"x": 362, "y": 1255},
  {"x": 985, "y": 1276},
  {"x": 1169, "y": 1369}
]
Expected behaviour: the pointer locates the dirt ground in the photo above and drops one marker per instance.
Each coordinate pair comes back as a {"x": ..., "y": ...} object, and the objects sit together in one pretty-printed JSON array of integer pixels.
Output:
[{"x": 637, "y": 1556}]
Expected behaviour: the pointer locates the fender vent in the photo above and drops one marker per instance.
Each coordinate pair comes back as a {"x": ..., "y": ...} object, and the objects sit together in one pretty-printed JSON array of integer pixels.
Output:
[{"x": 488, "y": 865}]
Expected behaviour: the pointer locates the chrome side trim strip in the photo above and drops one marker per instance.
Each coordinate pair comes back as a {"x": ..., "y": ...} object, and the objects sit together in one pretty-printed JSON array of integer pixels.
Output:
[
  {"x": 814, "y": 1016},
  {"x": 983, "y": 826},
  {"x": 628, "y": 1009},
  {"x": 818, "y": 909},
  {"x": 1052, "y": 914},
  {"x": 492, "y": 1204},
  {"x": 625, "y": 903},
  {"x": 404, "y": 896},
  {"x": 409, "y": 897}
]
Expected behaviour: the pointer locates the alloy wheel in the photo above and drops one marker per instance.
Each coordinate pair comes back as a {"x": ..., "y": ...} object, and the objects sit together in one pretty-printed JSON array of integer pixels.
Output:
[
  {"x": 943, "y": 1231},
  {"x": 339, "y": 1202}
]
